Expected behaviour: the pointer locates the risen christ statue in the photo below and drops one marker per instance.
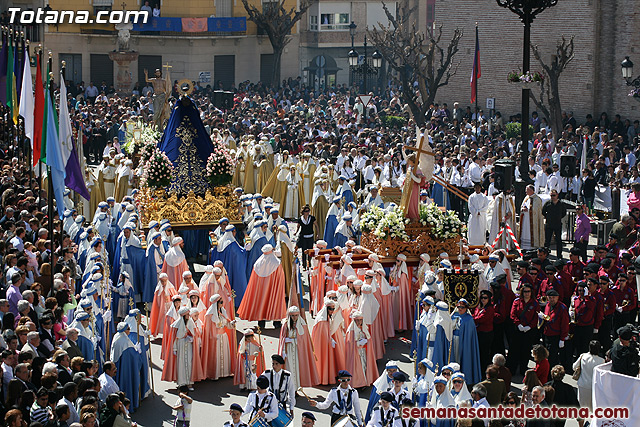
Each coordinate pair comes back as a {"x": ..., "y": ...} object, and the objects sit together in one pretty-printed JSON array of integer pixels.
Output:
[{"x": 159, "y": 95}]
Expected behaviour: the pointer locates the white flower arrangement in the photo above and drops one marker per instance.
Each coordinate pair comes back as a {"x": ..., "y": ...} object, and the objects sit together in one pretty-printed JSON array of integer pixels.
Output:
[
  {"x": 385, "y": 224},
  {"x": 444, "y": 225}
]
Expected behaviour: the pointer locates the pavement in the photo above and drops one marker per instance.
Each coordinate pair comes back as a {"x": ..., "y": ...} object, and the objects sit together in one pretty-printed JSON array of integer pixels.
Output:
[{"x": 213, "y": 398}]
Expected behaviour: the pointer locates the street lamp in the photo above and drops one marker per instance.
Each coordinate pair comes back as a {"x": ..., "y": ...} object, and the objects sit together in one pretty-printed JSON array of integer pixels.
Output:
[
  {"x": 627, "y": 73},
  {"x": 526, "y": 10},
  {"x": 364, "y": 69},
  {"x": 352, "y": 31}
]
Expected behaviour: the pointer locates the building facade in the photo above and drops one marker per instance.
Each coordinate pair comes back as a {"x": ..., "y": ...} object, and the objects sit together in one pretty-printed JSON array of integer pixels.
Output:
[
  {"x": 605, "y": 32},
  {"x": 210, "y": 41}
]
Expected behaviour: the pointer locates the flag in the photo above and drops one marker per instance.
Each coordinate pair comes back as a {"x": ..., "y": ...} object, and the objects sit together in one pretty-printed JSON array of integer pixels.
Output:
[
  {"x": 475, "y": 75},
  {"x": 17, "y": 70},
  {"x": 26, "y": 100},
  {"x": 45, "y": 118},
  {"x": 3, "y": 73},
  {"x": 38, "y": 114},
  {"x": 607, "y": 387},
  {"x": 74, "y": 178},
  {"x": 54, "y": 160},
  {"x": 12, "y": 98}
]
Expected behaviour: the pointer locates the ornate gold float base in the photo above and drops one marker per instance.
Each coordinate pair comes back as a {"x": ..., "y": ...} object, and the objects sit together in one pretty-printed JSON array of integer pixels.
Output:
[
  {"x": 421, "y": 241},
  {"x": 190, "y": 210}
]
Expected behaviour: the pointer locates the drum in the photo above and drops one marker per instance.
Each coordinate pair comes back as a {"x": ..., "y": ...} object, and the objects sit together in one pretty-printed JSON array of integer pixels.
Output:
[
  {"x": 283, "y": 419},
  {"x": 258, "y": 422},
  {"x": 345, "y": 421}
]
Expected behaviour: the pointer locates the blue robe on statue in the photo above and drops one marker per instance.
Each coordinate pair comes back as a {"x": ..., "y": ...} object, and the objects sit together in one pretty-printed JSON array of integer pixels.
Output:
[
  {"x": 188, "y": 146},
  {"x": 128, "y": 375},
  {"x": 150, "y": 280},
  {"x": 466, "y": 350}
]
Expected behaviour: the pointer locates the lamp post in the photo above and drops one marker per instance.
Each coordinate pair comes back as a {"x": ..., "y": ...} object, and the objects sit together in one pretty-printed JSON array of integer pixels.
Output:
[
  {"x": 526, "y": 10},
  {"x": 627, "y": 73},
  {"x": 364, "y": 69},
  {"x": 352, "y": 31}
]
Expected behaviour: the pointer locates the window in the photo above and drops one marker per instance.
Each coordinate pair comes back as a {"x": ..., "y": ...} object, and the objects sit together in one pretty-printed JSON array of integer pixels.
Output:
[
  {"x": 313, "y": 22},
  {"x": 102, "y": 5},
  {"x": 224, "y": 8},
  {"x": 334, "y": 21}
]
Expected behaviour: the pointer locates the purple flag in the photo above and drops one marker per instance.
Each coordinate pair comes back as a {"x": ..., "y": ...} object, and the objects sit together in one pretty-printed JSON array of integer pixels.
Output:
[{"x": 75, "y": 178}]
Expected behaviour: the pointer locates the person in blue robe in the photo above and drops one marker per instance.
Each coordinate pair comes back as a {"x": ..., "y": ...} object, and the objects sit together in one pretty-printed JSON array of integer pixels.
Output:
[
  {"x": 466, "y": 350},
  {"x": 166, "y": 233},
  {"x": 254, "y": 248},
  {"x": 132, "y": 260},
  {"x": 234, "y": 260},
  {"x": 127, "y": 359},
  {"x": 85, "y": 340},
  {"x": 424, "y": 341},
  {"x": 344, "y": 190},
  {"x": 382, "y": 384},
  {"x": 153, "y": 267},
  {"x": 138, "y": 335},
  {"x": 122, "y": 296},
  {"x": 344, "y": 231},
  {"x": 439, "y": 194},
  {"x": 424, "y": 382},
  {"x": 331, "y": 223},
  {"x": 442, "y": 329},
  {"x": 274, "y": 220}
]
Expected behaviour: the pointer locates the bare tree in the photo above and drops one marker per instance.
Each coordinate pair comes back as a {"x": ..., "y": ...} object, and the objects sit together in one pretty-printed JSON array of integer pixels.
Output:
[
  {"x": 548, "y": 101},
  {"x": 276, "y": 22},
  {"x": 416, "y": 57}
]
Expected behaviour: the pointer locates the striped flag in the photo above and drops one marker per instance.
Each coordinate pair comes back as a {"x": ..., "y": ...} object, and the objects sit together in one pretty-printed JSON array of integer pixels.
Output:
[
  {"x": 26, "y": 109},
  {"x": 475, "y": 75},
  {"x": 54, "y": 152},
  {"x": 38, "y": 114},
  {"x": 74, "y": 178}
]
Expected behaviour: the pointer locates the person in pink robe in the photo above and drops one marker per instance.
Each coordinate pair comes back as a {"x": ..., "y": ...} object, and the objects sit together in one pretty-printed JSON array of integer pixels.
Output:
[
  {"x": 169, "y": 371},
  {"x": 264, "y": 298},
  {"x": 360, "y": 357},
  {"x": 161, "y": 304},
  {"x": 220, "y": 285},
  {"x": 298, "y": 350},
  {"x": 175, "y": 262},
  {"x": 197, "y": 366},
  {"x": 219, "y": 339},
  {"x": 400, "y": 280},
  {"x": 249, "y": 360},
  {"x": 386, "y": 303},
  {"x": 205, "y": 286},
  {"x": 370, "y": 308},
  {"x": 328, "y": 342},
  {"x": 317, "y": 279},
  {"x": 172, "y": 316}
]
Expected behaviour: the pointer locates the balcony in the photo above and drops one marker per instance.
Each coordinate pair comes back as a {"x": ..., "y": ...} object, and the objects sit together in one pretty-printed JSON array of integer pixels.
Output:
[{"x": 181, "y": 27}]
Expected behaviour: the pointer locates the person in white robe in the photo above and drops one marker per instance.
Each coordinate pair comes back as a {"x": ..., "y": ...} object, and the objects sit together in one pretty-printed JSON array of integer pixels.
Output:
[
  {"x": 478, "y": 206},
  {"x": 531, "y": 225},
  {"x": 183, "y": 346},
  {"x": 504, "y": 212}
]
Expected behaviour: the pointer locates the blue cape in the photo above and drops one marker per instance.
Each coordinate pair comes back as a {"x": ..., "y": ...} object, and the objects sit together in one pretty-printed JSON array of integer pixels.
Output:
[
  {"x": 374, "y": 398},
  {"x": 330, "y": 230},
  {"x": 441, "y": 347},
  {"x": 254, "y": 253},
  {"x": 150, "y": 280},
  {"x": 86, "y": 347},
  {"x": 347, "y": 196},
  {"x": 128, "y": 375},
  {"x": 137, "y": 260},
  {"x": 469, "y": 348},
  {"x": 196, "y": 242},
  {"x": 234, "y": 258},
  {"x": 143, "y": 374}
]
